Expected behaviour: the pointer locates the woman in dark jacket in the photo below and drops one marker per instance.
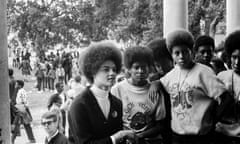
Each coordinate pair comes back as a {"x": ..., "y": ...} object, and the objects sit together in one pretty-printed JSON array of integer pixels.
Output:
[{"x": 95, "y": 116}]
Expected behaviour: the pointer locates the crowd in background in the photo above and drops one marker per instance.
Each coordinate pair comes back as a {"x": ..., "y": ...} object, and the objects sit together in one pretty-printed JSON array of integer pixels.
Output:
[{"x": 173, "y": 90}]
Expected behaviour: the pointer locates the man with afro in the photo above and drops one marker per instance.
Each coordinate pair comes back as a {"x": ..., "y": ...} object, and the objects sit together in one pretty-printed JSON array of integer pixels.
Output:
[
  {"x": 203, "y": 49},
  {"x": 194, "y": 91}
]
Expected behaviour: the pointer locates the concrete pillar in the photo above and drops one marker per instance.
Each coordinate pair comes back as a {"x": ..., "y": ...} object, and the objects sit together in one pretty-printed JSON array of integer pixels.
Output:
[
  {"x": 233, "y": 15},
  {"x": 4, "y": 92},
  {"x": 175, "y": 15}
]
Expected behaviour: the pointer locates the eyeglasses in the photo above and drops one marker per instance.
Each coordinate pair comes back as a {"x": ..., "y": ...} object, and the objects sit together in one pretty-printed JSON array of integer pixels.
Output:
[{"x": 47, "y": 122}]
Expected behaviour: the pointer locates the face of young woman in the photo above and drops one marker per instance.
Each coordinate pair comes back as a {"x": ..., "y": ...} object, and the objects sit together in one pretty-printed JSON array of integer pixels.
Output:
[
  {"x": 235, "y": 61},
  {"x": 139, "y": 72},
  {"x": 105, "y": 77},
  {"x": 182, "y": 56}
]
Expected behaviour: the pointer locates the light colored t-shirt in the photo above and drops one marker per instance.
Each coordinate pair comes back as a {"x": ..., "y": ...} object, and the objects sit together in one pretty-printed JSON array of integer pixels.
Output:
[
  {"x": 139, "y": 112},
  {"x": 21, "y": 97},
  {"x": 232, "y": 83},
  {"x": 191, "y": 93}
]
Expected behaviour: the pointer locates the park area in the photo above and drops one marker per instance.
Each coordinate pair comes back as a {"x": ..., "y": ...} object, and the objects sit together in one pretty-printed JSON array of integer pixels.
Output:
[{"x": 37, "y": 105}]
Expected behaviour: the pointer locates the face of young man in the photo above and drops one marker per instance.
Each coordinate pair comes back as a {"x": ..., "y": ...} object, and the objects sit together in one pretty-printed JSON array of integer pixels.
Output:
[
  {"x": 181, "y": 55},
  {"x": 235, "y": 60},
  {"x": 139, "y": 72},
  {"x": 105, "y": 77},
  {"x": 50, "y": 126},
  {"x": 204, "y": 54}
]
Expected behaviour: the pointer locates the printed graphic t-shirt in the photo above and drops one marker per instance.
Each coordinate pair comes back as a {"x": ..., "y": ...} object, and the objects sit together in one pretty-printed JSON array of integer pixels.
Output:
[
  {"x": 139, "y": 112},
  {"x": 191, "y": 93}
]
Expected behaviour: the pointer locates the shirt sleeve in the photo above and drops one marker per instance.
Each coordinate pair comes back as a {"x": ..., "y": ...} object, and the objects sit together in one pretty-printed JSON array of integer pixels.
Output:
[{"x": 212, "y": 85}]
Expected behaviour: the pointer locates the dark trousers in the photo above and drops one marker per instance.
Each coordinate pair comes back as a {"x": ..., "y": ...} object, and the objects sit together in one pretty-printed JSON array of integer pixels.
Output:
[
  {"x": 28, "y": 130},
  {"x": 192, "y": 139},
  {"x": 68, "y": 75},
  {"x": 40, "y": 83},
  {"x": 45, "y": 82},
  {"x": 51, "y": 83},
  {"x": 224, "y": 139}
]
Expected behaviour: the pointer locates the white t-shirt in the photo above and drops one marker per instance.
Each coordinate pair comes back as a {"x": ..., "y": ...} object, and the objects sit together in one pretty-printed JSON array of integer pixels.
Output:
[
  {"x": 191, "y": 93},
  {"x": 139, "y": 112},
  {"x": 21, "y": 97},
  {"x": 232, "y": 83}
]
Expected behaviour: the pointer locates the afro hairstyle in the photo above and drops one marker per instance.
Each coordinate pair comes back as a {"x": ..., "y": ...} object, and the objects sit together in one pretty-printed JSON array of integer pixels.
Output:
[
  {"x": 202, "y": 41},
  {"x": 137, "y": 54},
  {"x": 232, "y": 42},
  {"x": 96, "y": 54},
  {"x": 179, "y": 37},
  {"x": 159, "y": 49}
]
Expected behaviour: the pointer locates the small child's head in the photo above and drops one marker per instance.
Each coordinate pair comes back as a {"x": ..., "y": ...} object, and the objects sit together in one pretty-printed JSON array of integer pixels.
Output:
[{"x": 138, "y": 60}]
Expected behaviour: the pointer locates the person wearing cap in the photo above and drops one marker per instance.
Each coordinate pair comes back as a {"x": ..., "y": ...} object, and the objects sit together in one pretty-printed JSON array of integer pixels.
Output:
[
  {"x": 95, "y": 115},
  {"x": 198, "y": 97},
  {"x": 50, "y": 122},
  {"x": 203, "y": 49},
  {"x": 163, "y": 62},
  {"x": 229, "y": 128}
]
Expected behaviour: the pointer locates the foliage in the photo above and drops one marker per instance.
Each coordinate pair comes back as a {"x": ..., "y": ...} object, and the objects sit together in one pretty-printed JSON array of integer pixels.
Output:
[
  {"x": 47, "y": 23},
  {"x": 207, "y": 11}
]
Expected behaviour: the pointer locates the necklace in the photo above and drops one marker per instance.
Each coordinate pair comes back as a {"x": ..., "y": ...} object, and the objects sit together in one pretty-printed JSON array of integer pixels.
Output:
[{"x": 180, "y": 84}]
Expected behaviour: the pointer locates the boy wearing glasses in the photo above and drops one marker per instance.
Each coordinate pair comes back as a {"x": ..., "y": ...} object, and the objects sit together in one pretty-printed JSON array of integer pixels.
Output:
[{"x": 50, "y": 122}]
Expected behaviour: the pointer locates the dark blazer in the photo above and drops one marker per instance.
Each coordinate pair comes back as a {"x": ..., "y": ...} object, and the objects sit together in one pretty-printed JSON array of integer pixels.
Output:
[
  {"x": 87, "y": 122},
  {"x": 58, "y": 139}
]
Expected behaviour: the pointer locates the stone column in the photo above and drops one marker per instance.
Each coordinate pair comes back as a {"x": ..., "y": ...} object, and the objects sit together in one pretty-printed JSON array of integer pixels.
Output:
[
  {"x": 175, "y": 15},
  {"x": 233, "y": 15},
  {"x": 4, "y": 92}
]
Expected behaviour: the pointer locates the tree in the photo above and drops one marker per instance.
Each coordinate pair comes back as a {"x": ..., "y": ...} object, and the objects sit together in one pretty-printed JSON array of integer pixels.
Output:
[{"x": 209, "y": 11}]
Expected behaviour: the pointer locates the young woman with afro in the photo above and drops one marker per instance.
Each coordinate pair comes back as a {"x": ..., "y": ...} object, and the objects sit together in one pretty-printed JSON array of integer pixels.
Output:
[{"x": 95, "y": 116}]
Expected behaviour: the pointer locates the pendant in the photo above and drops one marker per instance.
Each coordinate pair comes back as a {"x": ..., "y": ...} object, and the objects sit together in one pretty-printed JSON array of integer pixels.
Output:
[{"x": 114, "y": 114}]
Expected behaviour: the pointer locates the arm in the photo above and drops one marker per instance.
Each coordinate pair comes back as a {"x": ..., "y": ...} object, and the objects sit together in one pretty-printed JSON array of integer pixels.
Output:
[
  {"x": 225, "y": 103},
  {"x": 153, "y": 92}
]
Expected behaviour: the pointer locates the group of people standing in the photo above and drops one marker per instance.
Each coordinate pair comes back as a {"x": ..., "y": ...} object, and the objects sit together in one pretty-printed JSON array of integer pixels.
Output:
[
  {"x": 174, "y": 93},
  {"x": 55, "y": 68},
  {"x": 171, "y": 91}
]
